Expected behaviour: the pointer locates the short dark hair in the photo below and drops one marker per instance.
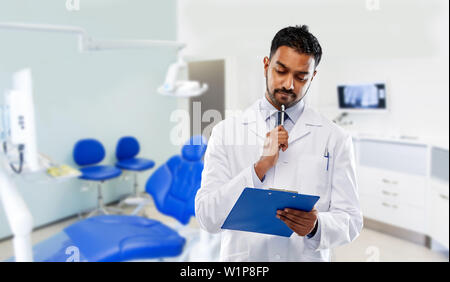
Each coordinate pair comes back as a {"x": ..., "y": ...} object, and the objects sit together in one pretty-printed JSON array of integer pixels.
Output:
[{"x": 298, "y": 38}]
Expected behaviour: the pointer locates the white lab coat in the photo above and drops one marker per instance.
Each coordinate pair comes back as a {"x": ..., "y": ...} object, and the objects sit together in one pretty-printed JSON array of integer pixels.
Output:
[{"x": 237, "y": 143}]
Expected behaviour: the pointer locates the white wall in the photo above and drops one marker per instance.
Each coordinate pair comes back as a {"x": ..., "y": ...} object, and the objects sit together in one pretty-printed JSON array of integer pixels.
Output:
[{"x": 404, "y": 43}]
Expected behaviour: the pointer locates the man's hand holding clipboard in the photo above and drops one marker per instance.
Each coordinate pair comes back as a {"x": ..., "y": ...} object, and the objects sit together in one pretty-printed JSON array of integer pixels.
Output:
[
  {"x": 301, "y": 222},
  {"x": 256, "y": 209}
]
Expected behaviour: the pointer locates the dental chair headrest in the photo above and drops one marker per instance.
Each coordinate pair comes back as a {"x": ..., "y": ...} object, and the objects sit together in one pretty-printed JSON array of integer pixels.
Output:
[{"x": 194, "y": 148}]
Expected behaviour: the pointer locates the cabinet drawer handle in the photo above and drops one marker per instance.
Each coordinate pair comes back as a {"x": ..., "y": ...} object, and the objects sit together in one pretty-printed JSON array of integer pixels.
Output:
[
  {"x": 389, "y": 206},
  {"x": 445, "y": 197},
  {"x": 387, "y": 181},
  {"x": 389, "y": 193}
]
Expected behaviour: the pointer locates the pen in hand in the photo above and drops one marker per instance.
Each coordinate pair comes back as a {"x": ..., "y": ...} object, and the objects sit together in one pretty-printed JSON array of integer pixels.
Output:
[
  {"x": 282, "y": 120},
  {"x": 276, "y": 140}
]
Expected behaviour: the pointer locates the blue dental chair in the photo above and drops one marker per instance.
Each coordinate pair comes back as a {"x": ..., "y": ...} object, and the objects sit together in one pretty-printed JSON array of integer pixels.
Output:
[
  {"x": 126, "y": 151},
  {"x": 122, "y": 238},
  {"x": 87, "y": 153}
]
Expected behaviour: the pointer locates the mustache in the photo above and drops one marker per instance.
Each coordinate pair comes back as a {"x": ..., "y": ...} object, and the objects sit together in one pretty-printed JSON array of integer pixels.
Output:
[{"x": 288, "y": 92}]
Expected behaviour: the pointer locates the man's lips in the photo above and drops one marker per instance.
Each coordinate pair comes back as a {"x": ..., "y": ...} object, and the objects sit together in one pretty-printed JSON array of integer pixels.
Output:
[{"x": 285, "y": 94}]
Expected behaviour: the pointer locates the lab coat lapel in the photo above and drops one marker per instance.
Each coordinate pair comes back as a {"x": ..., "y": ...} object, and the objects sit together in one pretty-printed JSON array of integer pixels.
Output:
[
  {"x": 302, "y": 128},
  {"x": 255, "y": 124}
]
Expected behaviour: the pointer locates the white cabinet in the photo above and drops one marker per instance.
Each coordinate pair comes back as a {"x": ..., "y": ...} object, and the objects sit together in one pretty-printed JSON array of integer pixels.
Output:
[
  {"x": 408, "y": 158},
  {"x": 392, "y": 186},
  {"x": 405, "y": 184},
  {"x": 394, "y": 213},
  {"x": 439, "y": 212},
  {"x": 394, "y": 198},
  {"x": 438, "y": 207},
  {"x": 392, "y": 182}
]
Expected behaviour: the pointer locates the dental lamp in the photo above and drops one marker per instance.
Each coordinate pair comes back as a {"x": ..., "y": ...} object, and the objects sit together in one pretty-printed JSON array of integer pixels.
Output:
[
  {"x": 173, "y": 85},
  {"x": 87, "y": 43}
]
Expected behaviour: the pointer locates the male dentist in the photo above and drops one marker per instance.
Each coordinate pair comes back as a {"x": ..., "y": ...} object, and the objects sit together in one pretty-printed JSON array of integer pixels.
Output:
[{"x": 308, "y": 154}]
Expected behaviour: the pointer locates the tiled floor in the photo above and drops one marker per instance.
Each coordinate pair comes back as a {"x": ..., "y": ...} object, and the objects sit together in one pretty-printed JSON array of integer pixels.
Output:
[
  {"x": 369, "y": 246},
  {"x": 375, "y": 246}
]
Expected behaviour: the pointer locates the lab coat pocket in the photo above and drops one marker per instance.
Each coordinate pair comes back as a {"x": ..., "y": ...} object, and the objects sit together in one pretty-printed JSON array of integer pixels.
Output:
[{"x": 313, "y": 174}]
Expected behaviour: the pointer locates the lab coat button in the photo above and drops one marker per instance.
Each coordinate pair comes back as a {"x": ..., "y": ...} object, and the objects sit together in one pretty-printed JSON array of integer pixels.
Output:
[{"x": 277, "y": 257}]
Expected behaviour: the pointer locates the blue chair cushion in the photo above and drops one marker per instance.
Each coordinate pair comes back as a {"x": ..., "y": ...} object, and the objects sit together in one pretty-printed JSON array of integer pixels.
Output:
[
  {"x": 99, "y": 172},
  {"x": 173, "y": 187},
  {"x": 88, "y": 152},
  {"x": 135, "y": 164},
  {"x": 111, "y": 238},
  {"x": 194, "y": 148},
  {"x": 127, "y": 148}
]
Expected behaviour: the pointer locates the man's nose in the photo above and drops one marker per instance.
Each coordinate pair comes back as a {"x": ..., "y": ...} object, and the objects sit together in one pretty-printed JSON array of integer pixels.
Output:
[{"x": 289, "y": 83}]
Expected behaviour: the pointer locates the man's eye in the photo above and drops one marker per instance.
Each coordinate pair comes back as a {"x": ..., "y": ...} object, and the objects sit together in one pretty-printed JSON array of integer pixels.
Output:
[
  {"x": 280, "y": 71},
  {"x": 300, "y": 78}
]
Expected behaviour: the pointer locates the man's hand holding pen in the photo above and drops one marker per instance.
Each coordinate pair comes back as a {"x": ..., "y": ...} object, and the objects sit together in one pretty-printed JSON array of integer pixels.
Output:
[{"x": 276, "y": 139}]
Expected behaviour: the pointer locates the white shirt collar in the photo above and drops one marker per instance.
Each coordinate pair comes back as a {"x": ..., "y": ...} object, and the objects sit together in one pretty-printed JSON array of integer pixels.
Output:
[{"x": 294, "y": 112}]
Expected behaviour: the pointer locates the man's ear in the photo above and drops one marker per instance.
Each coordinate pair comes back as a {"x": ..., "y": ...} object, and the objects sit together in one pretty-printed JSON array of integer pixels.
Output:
[
  {"x": 266, "y": 62},
  {"x": 314, "y": 74}
]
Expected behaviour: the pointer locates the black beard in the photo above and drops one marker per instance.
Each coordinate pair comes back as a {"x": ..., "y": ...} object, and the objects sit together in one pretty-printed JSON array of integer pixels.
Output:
[{"x": 275, "y": 102}]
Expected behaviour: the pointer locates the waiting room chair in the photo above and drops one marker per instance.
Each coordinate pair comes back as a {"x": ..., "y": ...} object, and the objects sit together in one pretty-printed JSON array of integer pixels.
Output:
[
  {"x": 126, "y": 151},
  {"x": 126, "y": 237},
  {"x": 87, "y": 153}
]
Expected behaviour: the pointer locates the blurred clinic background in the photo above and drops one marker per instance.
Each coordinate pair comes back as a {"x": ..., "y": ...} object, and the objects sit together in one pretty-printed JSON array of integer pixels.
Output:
[{"x": 94, "y": 75}]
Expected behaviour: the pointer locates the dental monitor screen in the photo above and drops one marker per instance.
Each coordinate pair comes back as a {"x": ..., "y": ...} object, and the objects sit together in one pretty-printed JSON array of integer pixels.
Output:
[{"x": 360, "y": 97}]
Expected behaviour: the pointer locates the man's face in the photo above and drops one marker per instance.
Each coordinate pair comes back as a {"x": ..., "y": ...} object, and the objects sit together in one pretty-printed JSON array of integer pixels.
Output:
[{"x": 288, "y": 76}]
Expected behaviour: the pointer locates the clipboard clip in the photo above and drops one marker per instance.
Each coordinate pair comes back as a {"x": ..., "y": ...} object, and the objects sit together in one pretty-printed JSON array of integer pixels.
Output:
[{"x": 283, "y": 190}]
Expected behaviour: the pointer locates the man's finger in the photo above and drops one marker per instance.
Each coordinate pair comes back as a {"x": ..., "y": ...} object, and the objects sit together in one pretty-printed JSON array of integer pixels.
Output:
[
  {"x": 301, "y": 213},
  {"x": 282, "y": 136},
  {"x": 283, "y": 147},
  {"x": 295, "y": 218},
  {"x": 293, "y": 225},
  {"x": 281, "y": 128},
  {"x": 280, "y": 133},
  {"x": 300, "y": 217}
]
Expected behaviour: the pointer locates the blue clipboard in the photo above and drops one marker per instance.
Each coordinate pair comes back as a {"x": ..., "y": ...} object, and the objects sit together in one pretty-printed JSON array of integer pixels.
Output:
[{"x": 256, "y": 209}]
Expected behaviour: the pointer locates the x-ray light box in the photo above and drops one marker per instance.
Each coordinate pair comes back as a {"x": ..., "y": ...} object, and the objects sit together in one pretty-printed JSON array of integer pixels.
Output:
[{"x": 369, "y": 97}]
